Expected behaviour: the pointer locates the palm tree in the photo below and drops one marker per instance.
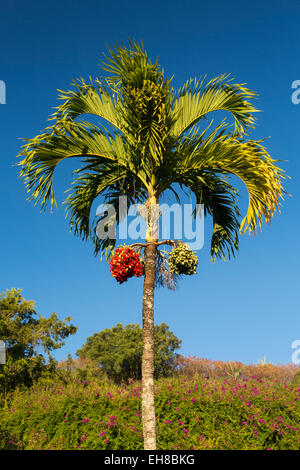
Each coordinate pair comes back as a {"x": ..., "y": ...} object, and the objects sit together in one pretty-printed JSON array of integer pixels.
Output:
[{"x": 151, "y": 139}]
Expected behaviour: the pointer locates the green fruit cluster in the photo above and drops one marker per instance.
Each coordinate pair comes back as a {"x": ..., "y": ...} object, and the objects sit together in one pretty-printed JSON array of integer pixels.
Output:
[{"x": 182, "y": 260}]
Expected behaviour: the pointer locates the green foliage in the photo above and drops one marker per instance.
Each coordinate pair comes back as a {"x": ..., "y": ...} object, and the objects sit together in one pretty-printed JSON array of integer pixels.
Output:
[
  {"x": 296, "y": 379},
  {"x": 25, "y": 335},
  {"x": 148, "y": 140},
  {"x": 182, "y": 260},
  {"x": 82, "y": 369},
  {"x": 118, "y": 351},
  {"x": 223, "y": 414}
]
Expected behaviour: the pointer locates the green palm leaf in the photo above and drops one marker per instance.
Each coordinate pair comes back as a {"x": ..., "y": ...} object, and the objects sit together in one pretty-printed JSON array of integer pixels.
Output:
[
  {"x": 109, "y": 181},
  {"x": 196, "y": 99},
  {"x": 250, "y": 161},
  {"x": 89, "y": 98},
  {"x": 71, "y": 139},
  {"x": 148, "y": 139}
]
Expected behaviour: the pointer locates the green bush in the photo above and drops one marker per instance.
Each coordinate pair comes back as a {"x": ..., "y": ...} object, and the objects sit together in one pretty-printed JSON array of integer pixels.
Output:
[
  {"x": 254, "y": 414},
  {"x": 118, "y": 351}
]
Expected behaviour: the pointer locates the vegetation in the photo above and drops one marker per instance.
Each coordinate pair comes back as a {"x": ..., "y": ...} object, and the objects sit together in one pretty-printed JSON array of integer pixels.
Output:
[
  {"x": 150, "y": 140},
  {"x": 25, "y": 336},
  {"x": 77, "y": 404},
  {"x": 118, "y": 351},
  {"x": 256, "y": 413}
]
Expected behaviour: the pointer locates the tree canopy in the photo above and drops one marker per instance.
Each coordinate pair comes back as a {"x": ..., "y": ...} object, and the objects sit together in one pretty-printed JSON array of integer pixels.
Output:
[
  {"x": 119, "y": 351},
  {"x": 27, "y": 337},
  {"x": 150, "y": 138}
]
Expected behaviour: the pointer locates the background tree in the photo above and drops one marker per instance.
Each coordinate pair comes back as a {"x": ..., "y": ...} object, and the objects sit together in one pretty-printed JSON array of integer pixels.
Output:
[
  {"x": 118, "y": 351},
  {"x": 26, "y": 336},
  {"x": 83, "y": 369},
  {"x": 149, "y": 141}
]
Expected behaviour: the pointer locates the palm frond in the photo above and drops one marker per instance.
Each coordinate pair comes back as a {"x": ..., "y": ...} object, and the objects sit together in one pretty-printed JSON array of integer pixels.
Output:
[
  {"x": 89, "y": 98},
  {"x": 146, "y": 111},
  {"x": 129, "y": 66},
  {"x": 196, "y": 99},
  {"x": 220, "y": 202},
  {"x": 72, "y": 139},
  {"x": 109, "y": 181},
  {"x": 249, "y": 161}
]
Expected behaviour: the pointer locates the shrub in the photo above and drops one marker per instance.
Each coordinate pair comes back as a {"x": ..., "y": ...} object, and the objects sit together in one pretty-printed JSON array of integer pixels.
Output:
[{"x": 223, "y": 413}]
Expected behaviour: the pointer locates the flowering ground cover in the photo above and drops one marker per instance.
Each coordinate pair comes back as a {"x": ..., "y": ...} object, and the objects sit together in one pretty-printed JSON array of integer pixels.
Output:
[{"x": 192, "y": 413}]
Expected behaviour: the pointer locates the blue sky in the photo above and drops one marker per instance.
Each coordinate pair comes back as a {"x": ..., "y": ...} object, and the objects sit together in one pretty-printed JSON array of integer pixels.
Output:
[{"x": 239, "y": 310}]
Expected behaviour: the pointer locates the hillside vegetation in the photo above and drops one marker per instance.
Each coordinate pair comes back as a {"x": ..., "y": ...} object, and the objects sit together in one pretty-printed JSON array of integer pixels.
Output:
[{"x": 204, "y": 405}]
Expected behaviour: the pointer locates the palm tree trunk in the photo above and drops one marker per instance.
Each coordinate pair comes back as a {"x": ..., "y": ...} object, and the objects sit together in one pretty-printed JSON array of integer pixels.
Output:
[{"x": 148, "y": 404}]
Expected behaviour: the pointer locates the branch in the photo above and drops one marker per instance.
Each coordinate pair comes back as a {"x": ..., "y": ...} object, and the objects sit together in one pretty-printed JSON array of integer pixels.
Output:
[
  {"x": 168, "y": 242},
  {"x": 137, "y": 244},
  {"x": 163, "y": 242}
]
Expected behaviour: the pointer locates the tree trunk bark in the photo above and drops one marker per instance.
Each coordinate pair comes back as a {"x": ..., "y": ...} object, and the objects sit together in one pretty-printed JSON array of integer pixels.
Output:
[{"x": 148, "y": 403}]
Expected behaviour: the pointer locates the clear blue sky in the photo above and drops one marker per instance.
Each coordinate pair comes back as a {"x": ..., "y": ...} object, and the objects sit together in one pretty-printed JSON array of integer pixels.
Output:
[{"x": 239, "y": 310}]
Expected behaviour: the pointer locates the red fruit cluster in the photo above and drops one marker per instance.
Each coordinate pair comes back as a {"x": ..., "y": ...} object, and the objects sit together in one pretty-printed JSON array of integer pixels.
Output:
[{"x": 126, "y": 263}]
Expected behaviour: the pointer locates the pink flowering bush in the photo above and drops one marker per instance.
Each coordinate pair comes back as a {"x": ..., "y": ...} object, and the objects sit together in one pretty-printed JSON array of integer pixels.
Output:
[{"x": 254, "y": 413}]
